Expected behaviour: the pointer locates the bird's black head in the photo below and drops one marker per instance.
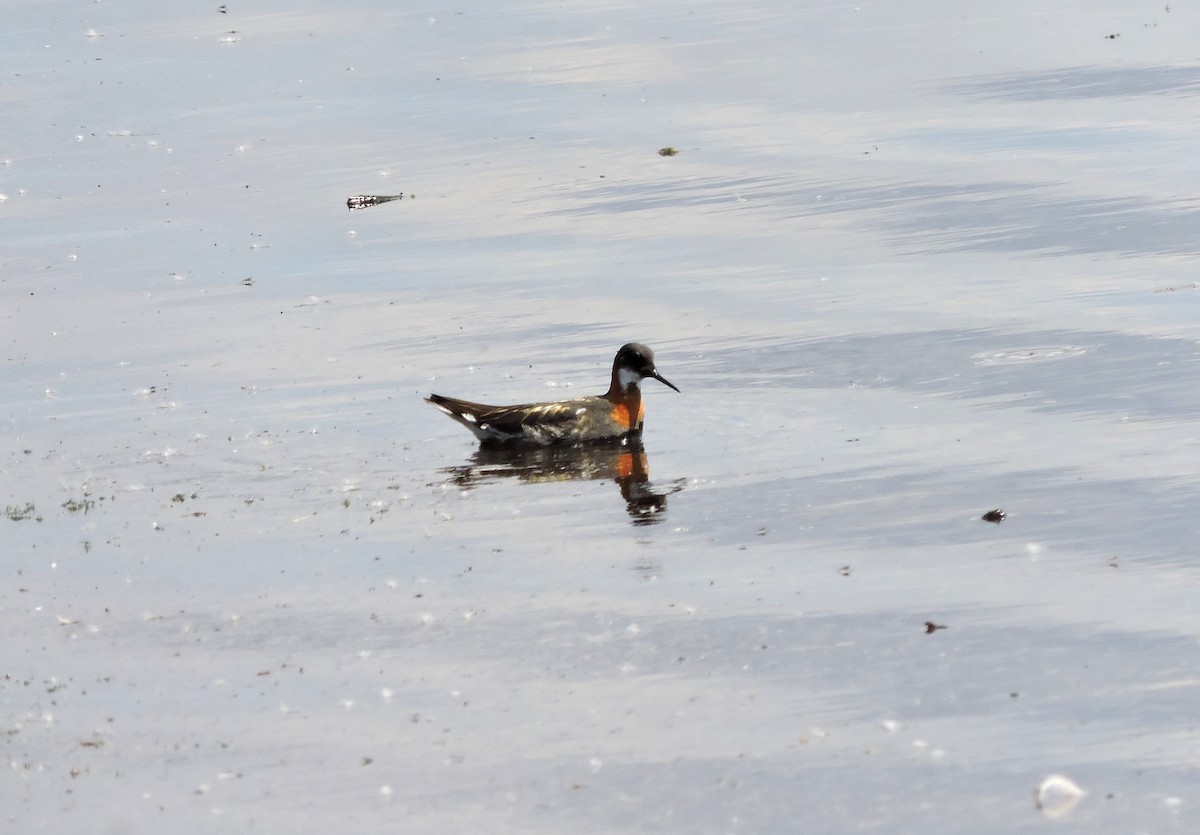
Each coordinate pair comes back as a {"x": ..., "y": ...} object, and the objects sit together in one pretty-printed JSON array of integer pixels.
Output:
[{"x": 635, "y": 362}]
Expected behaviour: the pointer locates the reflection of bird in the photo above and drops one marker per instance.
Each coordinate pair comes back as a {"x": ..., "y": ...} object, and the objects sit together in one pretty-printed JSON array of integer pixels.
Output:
[
  {"x": 623, "y": 462},
  {"x": 544, "y": 464},
  {"x": 619, "y": 413}
]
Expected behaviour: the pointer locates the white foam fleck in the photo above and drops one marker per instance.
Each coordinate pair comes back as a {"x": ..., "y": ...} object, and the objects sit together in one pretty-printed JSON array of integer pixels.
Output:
[{"x": 1057, "y": 795}]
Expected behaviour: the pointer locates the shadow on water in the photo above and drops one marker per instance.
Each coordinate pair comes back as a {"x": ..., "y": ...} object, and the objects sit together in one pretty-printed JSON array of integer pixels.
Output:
[
  {"x": 1086, "y": 82},
  {"x": 1084, "y": 372},
  {"x": 624, "y": 463},
  {"x": 1018, "y": 216}
]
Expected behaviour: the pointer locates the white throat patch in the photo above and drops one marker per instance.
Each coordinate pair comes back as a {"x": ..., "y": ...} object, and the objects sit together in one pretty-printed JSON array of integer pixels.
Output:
[{"x": 627, "y": 378}]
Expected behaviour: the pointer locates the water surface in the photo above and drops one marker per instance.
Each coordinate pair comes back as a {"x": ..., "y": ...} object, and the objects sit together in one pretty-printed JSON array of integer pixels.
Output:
[{"x": 908, "y": 266}]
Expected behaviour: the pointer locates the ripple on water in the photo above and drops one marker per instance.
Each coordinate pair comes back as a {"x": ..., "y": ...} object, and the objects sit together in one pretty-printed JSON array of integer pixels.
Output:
[{"x": 1038, "y": 353}]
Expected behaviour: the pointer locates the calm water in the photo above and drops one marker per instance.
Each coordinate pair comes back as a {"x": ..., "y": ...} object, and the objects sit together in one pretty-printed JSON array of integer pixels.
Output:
[{"x": 910, "y": 264}]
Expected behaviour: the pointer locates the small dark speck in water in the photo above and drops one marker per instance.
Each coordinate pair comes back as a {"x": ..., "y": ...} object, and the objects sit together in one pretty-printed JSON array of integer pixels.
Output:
[{"x": 994, "y": 516}]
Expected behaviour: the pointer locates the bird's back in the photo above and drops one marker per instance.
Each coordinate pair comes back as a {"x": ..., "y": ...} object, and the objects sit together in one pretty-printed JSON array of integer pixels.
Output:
[{"x": 562, "y": 421}]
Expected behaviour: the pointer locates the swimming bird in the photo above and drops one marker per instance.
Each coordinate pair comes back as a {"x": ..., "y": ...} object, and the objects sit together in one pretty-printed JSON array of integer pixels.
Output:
[{"x": 616, "y": 414}]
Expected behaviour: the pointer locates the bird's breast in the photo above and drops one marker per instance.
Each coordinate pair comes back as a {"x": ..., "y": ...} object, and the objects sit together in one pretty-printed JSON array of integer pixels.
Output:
[{"x": 628, "y": 413}]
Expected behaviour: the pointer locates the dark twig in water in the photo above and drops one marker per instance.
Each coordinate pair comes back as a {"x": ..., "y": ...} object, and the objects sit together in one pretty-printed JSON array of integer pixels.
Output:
[{"x": 366, "y": 201}]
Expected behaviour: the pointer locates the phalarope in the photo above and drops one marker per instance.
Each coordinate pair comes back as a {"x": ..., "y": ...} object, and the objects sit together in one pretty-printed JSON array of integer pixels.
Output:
[{"x": 617, "y": 414}]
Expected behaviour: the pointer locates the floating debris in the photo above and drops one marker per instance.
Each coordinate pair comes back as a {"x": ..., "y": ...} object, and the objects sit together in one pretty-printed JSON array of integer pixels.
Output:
[
  {"x": 931, "y": 627},
  {"x": 995, "y": 516},
  {"x": 668, "y": 151},
  {"x": 1057, "y": 795},
  {"x": 366, "y": 201},
  {"x": 19, "y": 514}
]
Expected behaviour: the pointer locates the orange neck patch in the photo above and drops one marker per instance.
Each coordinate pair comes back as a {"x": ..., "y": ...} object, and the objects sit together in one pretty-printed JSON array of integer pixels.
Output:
[{"x": 624, "y": 411}]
